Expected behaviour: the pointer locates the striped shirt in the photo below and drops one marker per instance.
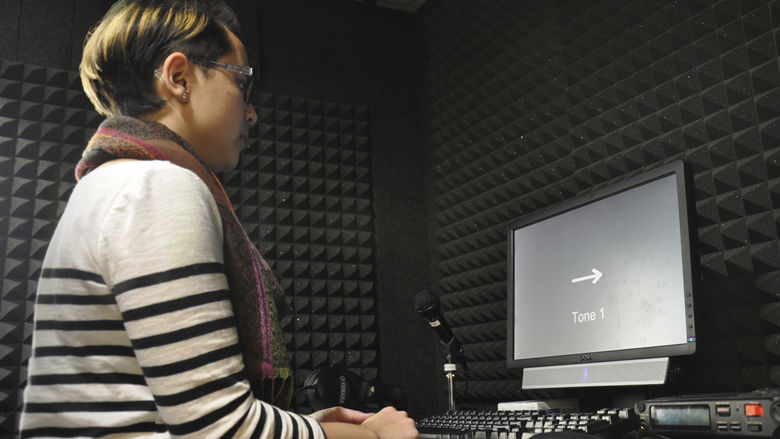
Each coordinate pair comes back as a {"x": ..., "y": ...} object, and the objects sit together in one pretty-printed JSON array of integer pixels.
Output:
[{"x": 134, "y": 331}]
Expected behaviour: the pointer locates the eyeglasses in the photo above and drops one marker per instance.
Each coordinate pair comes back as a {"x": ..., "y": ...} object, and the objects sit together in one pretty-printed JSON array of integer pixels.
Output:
[{"x": 246, "y": 87}]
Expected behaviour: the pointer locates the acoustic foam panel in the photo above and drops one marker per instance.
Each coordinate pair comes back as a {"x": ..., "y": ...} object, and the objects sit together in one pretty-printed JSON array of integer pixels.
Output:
[
  {"x": 303, "y": 188},
  {"x": 531, "y": 104}
]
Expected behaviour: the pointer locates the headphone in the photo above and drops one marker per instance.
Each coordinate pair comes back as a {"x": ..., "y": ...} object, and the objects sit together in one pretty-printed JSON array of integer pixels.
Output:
[{"x": 331, "y": 386}]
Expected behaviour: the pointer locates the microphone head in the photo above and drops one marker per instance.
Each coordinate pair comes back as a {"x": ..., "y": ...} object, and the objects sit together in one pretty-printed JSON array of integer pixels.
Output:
[{"x": 427, "y": 305}]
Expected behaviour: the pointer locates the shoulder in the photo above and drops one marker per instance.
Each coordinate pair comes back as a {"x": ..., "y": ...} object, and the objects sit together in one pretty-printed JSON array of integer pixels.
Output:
[
  {"x": 157, "y": 214},
  {"x": 143, "y": 192},
  {"x": 151, "y": 181},
  {"x": 146, "y": 172}
]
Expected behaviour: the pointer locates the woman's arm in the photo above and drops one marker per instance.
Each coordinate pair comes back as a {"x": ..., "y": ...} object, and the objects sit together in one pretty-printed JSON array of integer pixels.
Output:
[{"x": 161, "y": 254}]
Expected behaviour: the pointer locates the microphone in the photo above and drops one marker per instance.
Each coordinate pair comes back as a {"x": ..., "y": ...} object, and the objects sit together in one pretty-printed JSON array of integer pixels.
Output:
[{"x": 427, "y": 305}]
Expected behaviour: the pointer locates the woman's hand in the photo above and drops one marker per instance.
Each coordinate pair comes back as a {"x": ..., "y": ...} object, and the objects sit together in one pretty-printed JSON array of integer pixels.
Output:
[{"x": 390, "y": 423}]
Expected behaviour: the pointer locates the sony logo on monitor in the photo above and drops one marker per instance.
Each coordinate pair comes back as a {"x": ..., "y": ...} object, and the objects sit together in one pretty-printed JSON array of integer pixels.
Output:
[{"x": 585, "y": 357}]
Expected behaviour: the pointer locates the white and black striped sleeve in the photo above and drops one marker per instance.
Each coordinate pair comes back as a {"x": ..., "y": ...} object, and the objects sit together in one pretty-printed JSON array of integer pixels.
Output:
[{"x": 160, "y": 248}]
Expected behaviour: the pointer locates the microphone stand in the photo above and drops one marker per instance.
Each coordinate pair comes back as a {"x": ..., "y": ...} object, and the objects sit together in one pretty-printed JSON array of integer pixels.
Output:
[{"x": 454, "y": 353}]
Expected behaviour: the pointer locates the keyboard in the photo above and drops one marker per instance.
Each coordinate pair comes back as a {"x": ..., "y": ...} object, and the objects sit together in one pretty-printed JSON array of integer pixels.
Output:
[{"x": 524, "y": 424}]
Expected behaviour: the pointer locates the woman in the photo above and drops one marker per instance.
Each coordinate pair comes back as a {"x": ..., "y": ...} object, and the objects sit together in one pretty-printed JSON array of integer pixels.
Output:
[{"x": 155, "y": 315}]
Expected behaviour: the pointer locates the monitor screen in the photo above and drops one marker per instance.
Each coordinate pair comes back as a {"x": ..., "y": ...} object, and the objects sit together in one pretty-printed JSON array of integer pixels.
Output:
[{"x": 604, "y": 277}]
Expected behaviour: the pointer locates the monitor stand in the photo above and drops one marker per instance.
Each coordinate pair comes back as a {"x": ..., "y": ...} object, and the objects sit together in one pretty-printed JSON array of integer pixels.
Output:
[{"x": 609, "y": 373}]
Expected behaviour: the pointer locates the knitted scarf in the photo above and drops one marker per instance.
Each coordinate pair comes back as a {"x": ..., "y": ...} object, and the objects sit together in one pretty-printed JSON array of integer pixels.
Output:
[{"x": 254, "y": 290}]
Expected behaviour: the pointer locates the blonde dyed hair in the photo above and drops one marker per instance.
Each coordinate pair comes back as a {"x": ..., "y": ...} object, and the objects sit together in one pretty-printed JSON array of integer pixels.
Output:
[{"x": 135, "y": 36}]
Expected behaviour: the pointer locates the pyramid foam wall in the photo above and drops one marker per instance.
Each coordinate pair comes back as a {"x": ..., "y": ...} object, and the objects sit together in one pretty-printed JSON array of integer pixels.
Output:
[
  {"x": 532, "y": 103},
  {"x": 303, "y": 192}
]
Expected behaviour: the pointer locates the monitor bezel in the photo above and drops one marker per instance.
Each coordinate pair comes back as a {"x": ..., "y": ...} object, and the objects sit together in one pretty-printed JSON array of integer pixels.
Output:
[{"x": 684, "y": 186}]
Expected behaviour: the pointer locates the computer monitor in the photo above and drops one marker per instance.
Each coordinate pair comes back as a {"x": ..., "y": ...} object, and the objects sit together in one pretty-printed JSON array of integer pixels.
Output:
[{"x": 600, "y": 287}]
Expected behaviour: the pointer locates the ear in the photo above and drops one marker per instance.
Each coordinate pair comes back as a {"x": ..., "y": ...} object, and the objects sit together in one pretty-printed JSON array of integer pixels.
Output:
[{"x": 175, "y": 77}]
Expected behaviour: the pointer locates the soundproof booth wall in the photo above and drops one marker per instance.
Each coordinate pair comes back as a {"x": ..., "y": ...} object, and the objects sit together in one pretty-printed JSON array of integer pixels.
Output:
[
  {"x": 528, "y": 104},
  {"x": 302, "y": 190}
]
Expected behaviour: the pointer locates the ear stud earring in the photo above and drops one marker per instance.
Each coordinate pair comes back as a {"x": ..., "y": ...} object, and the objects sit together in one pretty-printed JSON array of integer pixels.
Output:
[
  {"x": 157, "y": 74},
  {"x": 185, "y": 96}
]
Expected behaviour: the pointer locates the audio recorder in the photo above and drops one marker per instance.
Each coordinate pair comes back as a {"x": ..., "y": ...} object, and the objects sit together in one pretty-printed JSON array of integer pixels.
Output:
[{"x": 744, "y": 415}]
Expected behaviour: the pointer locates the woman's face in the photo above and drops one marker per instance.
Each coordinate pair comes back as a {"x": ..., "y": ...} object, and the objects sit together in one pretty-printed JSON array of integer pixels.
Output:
[{"x": 220, "y": 119}]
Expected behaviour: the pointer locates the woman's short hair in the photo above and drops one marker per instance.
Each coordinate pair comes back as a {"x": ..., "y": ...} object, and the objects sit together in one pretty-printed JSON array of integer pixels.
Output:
[{"x": 134, "y": 38}]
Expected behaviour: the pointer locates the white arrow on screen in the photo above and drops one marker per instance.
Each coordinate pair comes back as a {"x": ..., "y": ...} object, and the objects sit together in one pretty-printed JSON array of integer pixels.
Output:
[{"x": 595, "y": 276}]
